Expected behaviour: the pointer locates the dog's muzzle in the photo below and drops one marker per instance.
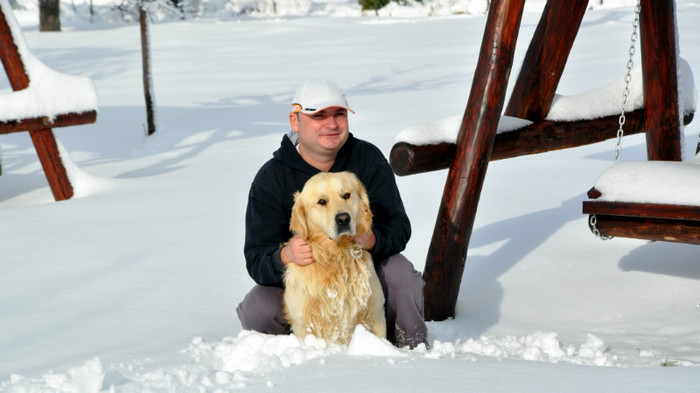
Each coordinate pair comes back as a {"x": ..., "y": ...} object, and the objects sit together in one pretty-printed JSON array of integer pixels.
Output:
[{"x": 342, "y": 223}]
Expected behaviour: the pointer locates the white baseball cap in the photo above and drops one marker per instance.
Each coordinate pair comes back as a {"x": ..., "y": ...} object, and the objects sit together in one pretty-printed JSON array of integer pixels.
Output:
[{"x": 318, "y": 94}]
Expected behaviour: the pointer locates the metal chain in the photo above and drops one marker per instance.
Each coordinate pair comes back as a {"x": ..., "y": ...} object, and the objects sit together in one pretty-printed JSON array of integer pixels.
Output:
[
  {"x": 628, "y": 81},
  {"x": 593, "y": 221}
]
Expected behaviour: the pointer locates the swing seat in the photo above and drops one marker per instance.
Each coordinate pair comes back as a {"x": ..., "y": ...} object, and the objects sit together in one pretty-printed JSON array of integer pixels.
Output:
[{"x": 654, "y": 200}]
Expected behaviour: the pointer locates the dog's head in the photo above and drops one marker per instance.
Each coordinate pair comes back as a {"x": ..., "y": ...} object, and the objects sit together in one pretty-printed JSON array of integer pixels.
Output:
[{"x": 333, "y": 204}]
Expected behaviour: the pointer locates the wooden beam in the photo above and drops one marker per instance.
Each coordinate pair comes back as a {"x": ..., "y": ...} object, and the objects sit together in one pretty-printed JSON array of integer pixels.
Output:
[
  {"x": 9, "y": 55},
  {"x": 39, "y": 123},
  {"x": 658, "y": 43},
  {"x": 407, "y": 159},
  {"x": 448, "y": 248},
  {"x": 655, "y": 229},
  {"x": 50, "y": 158},
  {"x": 545, "y": 59},
  {"x": 642, "y": 210}
]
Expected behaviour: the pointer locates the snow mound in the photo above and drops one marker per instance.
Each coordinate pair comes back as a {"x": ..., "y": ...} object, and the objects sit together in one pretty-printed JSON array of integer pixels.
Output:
[
  {"x": 447, "y": 129},
  {"x": 540, "y": 346},
  {"x": 235, "y": 362},
  {"x": 87, "y": 378},
  {"x": 252, "y": 351},
  {"x": 365, "y": 343},
  {"x": 607, "y": 100},
  {"x": 664, "y": 182},
  {"x": 83, "y": 183}
]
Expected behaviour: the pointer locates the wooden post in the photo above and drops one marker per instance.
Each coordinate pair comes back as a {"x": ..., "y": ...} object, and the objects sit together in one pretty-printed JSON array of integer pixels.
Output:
[
  {"x": 50, "y": 158},
  {"x": 9, "y": 55},
  {"x": 658, "y": 36},
  {"x": 448, "y": 248},
  {"x": 545, "y": 59}
]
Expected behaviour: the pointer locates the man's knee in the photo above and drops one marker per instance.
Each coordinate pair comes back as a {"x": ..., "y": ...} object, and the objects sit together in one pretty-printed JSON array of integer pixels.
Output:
[
  {"x": 400, "y": 277},
  {"x": 261, "y": 311}
]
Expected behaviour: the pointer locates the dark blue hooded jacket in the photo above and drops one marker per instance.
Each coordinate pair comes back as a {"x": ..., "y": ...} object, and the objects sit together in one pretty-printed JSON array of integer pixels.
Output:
[{"x": 271, "y": 199}]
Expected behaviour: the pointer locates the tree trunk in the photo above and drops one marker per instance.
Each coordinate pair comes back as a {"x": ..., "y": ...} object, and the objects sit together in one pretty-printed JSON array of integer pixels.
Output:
[
  {"x": 146, "y": 62},
  {"x": 49, "y": 15}
]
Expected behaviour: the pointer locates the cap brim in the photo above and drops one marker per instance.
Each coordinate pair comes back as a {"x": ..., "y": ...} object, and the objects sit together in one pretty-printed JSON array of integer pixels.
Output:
[{"x": 298, "y": 109}]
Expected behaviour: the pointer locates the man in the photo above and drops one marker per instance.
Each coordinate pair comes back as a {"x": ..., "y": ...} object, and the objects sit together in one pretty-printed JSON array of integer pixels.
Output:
[{"x": 320, "y": 141}]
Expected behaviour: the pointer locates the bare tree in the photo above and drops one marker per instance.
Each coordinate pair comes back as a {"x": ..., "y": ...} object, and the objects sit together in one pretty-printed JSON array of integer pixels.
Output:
[{"x": 146, "y": 64}]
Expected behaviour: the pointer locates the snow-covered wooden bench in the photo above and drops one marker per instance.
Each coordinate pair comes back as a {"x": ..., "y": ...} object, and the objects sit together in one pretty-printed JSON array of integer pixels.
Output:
[
  {"x": 653, "y": 200},
  {"x": 41, "y": 99}
]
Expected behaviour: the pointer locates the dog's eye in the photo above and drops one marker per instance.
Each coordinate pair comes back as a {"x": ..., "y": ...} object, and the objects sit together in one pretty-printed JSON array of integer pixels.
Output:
[
  {"x": 346, "y": 195},
  {"x": 322, "y": 202}
]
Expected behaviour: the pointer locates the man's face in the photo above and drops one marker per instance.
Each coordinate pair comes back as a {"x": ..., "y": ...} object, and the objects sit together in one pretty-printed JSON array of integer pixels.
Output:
[{"x": 323, "y": 132}]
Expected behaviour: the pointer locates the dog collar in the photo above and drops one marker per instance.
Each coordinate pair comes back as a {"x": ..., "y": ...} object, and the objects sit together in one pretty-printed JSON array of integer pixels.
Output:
[{"x": 356, "y": 251}]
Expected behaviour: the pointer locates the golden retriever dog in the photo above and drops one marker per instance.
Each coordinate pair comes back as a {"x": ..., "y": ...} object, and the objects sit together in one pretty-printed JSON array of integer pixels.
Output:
[{"x": 340, "y": 289}]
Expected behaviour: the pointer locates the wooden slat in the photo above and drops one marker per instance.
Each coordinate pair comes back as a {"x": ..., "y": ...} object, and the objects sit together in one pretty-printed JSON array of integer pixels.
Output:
[
  {"x": 655, "y": 229},
  {"x": 642, "y": 210},
  {"x": 63, "y": 120}
]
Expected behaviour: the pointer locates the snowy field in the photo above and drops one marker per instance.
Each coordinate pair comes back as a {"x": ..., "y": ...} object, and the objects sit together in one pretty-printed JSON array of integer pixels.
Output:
[{"x": 132, "y": 285}]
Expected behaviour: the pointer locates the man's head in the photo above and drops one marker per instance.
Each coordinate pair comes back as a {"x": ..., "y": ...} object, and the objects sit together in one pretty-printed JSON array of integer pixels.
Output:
[{"x": 320, "y": 118}]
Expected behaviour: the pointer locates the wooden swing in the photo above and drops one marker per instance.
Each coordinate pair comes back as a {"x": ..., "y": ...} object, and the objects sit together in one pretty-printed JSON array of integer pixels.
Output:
[
  {"x": 478, "y": 142},
  {"x": 652, "y": 221}
]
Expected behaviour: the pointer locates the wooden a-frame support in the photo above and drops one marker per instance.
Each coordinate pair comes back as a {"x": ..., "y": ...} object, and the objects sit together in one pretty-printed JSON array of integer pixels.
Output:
[
  {"x": 477, "y": 141},
  {"x": 40, "y": 128}
]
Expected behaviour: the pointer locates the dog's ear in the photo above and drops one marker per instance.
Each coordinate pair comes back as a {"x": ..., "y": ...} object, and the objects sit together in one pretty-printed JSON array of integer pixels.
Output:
[
  {"x": 297, "y": 223},
  {"x": 364, "y": 225}
]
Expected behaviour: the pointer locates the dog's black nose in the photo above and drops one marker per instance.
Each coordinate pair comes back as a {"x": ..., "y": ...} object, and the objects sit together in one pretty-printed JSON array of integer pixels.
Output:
[{"x": 342, "y": 220}]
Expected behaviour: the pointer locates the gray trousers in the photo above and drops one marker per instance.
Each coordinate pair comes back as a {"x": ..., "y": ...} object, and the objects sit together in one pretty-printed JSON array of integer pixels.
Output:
[{"x": 261, "y": 309}]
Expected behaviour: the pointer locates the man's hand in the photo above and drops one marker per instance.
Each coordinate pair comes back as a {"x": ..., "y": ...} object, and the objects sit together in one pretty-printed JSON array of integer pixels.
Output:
[
  {"x": 365, "y": 240},
  {"x": 298, "y": 252}
]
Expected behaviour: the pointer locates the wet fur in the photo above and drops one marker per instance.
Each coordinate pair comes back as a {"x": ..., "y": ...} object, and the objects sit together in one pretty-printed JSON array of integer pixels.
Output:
[{"x": 331, "y": 296}]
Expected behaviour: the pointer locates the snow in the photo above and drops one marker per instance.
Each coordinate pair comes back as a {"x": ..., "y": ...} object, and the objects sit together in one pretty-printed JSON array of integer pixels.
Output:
[
  {"x": 599, "y": 102},
  {"x": 446, "y": 130},
  {"x": 132, "y": 285},
  {"x": 652, "y": 182},
  {"x": 607, "y": 100}
]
